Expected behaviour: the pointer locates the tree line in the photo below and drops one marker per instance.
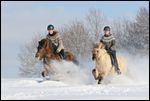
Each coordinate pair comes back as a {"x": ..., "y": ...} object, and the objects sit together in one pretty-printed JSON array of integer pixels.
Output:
[{"x": 79, "y": 36}]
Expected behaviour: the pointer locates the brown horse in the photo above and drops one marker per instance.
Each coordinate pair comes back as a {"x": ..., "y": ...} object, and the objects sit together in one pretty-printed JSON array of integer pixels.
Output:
[{"x": 46, "y": 52}]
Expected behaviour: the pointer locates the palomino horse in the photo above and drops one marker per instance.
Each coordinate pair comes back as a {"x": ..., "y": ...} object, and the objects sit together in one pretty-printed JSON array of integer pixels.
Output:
[
  {"x": 103, "y": 63},
  {"x": 45, "y": 52}
]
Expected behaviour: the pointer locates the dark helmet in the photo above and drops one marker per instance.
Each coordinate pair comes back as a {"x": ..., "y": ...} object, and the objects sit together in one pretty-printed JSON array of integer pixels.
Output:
[
  {"x": 50, "y": 27},
  {"x": 106, "y": 28}
]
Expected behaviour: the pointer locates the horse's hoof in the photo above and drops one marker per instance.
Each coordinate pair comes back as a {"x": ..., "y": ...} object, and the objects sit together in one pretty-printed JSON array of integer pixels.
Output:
[
  {"x": 43, "y": 74},
  {"x": 99, "y": 82},
  {"x": 118, "y": 72},
  {"x": 47, "y": 78}
]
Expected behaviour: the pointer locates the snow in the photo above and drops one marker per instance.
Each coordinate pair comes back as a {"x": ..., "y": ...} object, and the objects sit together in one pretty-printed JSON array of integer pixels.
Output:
[
  {"x": 73, "y": 82},
  {"x": 30, "y": 89}
]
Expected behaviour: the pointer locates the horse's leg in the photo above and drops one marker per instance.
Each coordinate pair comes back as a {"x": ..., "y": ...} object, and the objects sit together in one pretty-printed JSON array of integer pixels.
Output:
[
  {"x": 100, "y": 79},
  {"x": 45, "y": 72},
  {"x": 95, "y": 74}
]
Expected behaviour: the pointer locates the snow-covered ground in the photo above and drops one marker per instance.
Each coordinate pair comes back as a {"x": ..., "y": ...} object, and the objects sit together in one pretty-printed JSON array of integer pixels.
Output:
[
  {"x": 31, "y": 89},
  {"x": 74, "y": 82}
]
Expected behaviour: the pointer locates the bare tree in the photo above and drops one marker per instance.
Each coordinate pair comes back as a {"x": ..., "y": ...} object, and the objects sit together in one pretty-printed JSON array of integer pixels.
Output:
[
  {"x": 138, "y": 31},
  {"x": 76, "y": 38},
  {"x": 133, "y": 36},
  {"x": 29, "y": 65},
  {"x": 142, "y": 26},
  {"x": 95, "y": 22},
  {"x": 118, "y": 27}
]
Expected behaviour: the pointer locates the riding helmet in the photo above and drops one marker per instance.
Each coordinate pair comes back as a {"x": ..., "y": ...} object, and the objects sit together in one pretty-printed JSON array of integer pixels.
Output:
[
  {"x": 50, "y": 27},
  {"x": 106, "y": 28}
]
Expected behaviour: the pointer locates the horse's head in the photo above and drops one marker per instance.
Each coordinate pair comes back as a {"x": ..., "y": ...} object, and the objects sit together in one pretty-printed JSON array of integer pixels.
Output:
[
  {"x": 42, "y": 49},
  {"x": 99, "y": 49}
]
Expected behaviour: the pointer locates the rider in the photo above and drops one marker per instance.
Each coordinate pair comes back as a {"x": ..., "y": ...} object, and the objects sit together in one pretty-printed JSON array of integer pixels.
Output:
[
  {"x": 56, "y": 40},
  {"x": 109, "y": 42}
]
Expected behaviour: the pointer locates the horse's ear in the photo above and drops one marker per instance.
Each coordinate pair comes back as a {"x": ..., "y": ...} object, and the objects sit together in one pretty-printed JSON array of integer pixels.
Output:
[{"x": 102, "y": 45}]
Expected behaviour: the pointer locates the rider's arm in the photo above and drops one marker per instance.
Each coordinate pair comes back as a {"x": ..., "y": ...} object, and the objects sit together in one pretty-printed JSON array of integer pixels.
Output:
[
  {"x": 60, "y": 44},
  {"x": 113, "y": 45}
]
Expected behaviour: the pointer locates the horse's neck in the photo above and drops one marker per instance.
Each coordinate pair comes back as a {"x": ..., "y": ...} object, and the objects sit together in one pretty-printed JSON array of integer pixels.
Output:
[
  {"x": 50, "y": 51},
  {"x": 100, "y": 60},
  {"x": 50, "y": 55}
]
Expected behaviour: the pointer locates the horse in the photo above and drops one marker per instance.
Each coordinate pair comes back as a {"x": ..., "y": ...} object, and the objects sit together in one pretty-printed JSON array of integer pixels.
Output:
[
  {"x": 46, "y": 52},
  {"x": 104, "y": 66}
]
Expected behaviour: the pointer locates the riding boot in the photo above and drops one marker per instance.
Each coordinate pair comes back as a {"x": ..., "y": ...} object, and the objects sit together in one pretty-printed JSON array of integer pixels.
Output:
[
  {"x": 113, "y": 55},
  {"x": 62, "y": 54},
  {"x": 112, "y": 60}
]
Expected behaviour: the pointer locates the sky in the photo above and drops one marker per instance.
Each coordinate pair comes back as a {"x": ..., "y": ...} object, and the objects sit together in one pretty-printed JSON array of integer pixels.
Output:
[{"x": 21, "y": 21}]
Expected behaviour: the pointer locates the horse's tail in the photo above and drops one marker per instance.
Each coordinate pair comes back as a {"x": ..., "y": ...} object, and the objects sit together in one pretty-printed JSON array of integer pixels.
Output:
[
  {"x": 75, "y": 61},
  {"x": 71, "y": 57}
]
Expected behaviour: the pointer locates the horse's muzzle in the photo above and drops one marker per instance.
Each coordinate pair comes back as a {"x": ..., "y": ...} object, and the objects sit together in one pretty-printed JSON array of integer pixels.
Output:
[{"x": 36, "y": 55}]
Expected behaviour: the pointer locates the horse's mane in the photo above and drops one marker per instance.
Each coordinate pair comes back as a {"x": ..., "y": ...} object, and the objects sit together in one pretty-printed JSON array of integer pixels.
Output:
[
  {"x": 48, "y": 42},
  {"x": 99, "y": 45},
  {"x": 42, "y": 42}
]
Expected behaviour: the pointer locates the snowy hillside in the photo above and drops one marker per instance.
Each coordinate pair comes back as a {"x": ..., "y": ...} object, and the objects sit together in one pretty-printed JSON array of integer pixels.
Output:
[{"x": 31, "y": 89}]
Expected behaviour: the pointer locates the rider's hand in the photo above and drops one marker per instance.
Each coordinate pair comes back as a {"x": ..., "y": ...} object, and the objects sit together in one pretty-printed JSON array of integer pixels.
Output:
[{"x": 57, "y": 51}]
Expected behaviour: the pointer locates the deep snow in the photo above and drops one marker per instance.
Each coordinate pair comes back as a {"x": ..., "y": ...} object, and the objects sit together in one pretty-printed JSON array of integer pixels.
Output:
[
  {"x": 77, "y": 82},
  {"x": 31, "y": 89}
]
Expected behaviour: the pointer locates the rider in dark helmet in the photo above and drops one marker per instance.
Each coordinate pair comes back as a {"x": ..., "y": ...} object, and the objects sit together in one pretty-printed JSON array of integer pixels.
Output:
[
  {"x": 109, "y": 42},
  {"x": 56, "y": 40}
]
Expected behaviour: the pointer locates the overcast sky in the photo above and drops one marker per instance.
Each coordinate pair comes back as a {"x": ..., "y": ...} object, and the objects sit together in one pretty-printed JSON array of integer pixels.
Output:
[{"x": 20, "y": 21}]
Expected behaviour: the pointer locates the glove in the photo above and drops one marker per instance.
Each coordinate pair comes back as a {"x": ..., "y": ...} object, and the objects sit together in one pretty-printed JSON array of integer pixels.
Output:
[
  {"x": 57, "y": 51},
  {"x": 106, "y": 47},
  {"x": 109, "y": 51}
]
